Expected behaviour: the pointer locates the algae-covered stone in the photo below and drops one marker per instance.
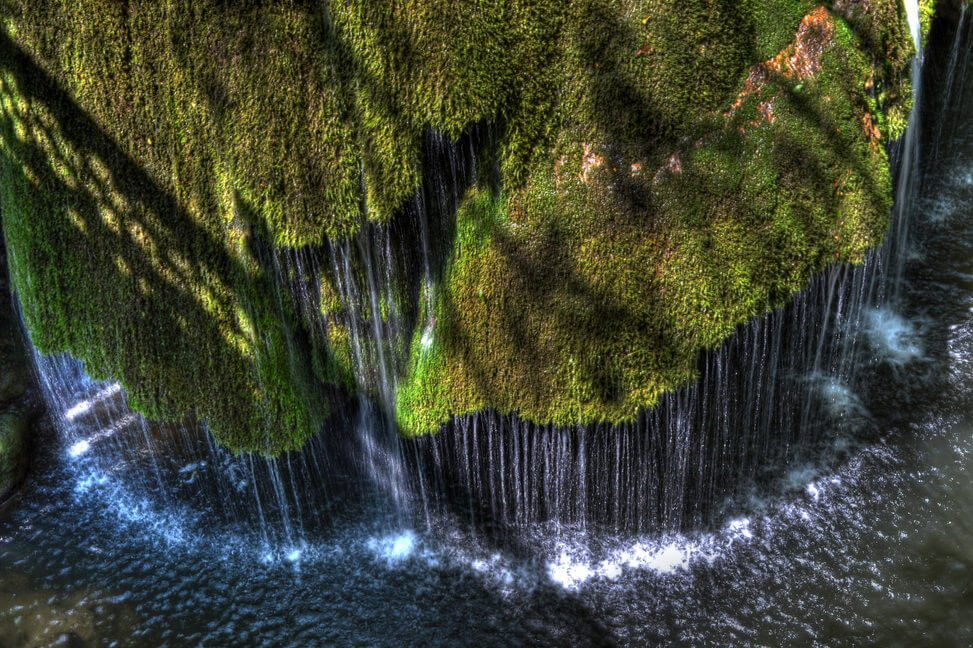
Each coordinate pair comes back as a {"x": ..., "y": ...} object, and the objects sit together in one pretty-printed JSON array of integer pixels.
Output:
[
  {"x": 14, "y": 427},
  {"x": 588, "y": 292},
  {"x": 178, "y": 176}
]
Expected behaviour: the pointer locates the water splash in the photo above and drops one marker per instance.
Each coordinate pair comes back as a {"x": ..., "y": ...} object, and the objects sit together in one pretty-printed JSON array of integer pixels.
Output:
[
  {"x": 892, "y": 336},
  {"x": 394, "y": 548}
]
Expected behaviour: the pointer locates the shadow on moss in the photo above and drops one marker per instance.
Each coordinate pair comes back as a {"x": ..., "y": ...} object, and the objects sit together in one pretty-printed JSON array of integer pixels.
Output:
[{"x": 194, "y": 330}]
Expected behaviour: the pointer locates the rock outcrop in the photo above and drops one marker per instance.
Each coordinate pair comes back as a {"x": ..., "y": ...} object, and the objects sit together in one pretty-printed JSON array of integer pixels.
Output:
[{"x": 240, "y": 210}]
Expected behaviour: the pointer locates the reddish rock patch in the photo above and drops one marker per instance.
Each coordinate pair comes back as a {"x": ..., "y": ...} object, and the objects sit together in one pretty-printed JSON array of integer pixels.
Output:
[
  {"x": 798, "y": 62},
  {"x": 589, "y": 161}
]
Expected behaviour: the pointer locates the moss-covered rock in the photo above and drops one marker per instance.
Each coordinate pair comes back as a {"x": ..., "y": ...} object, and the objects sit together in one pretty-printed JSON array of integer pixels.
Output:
[
  {"x": 659, "y": 171},
  {"x": 588, "y": 292}
]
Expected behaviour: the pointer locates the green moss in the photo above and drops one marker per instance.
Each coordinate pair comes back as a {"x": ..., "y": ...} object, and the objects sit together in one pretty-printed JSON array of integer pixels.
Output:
[
  {"x": 120, "y": 263},
  {"x": 159, "y": 158},
  {"x": 927, "y": 11},
  {"x": 584, "y": 300}
]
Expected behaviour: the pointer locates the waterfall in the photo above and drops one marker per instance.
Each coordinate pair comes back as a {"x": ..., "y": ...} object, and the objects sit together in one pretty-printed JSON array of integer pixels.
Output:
[
  {"x": 906, "y": 152},
  {"x": 144, "y": 470},
  {"x": 785, "y": 387},
  {"x": 176, "y": 477},
  {"x": 950, "y": 81},
  {"x": 386, "y": 278},
  {"x": 915, "y": 24},
  {"x": 373, "y": 320}
]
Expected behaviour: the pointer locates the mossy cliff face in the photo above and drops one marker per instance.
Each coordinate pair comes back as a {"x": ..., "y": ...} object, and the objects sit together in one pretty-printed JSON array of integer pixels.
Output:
[
  {"x": 686, "y": 189},
  {"x": 658, "y": 172}
]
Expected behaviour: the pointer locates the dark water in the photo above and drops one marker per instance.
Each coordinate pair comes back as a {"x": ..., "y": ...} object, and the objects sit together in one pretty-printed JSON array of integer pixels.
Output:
[{"x": 865, "y": 539}]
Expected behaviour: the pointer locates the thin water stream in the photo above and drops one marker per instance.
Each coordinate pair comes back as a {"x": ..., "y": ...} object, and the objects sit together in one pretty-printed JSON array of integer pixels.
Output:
[{"x": 813, "y": 489}]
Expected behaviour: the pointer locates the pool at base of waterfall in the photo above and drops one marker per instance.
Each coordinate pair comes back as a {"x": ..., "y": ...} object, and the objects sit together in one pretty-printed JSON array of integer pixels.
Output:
[
  {"x": 867, "y": 539},
  {"x": 874, "y": 551}
]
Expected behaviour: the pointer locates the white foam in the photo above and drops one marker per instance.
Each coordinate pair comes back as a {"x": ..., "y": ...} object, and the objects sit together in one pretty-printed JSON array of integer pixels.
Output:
[
  {"x": 893, "y": 336},
  {"x": 89, "y": 481},
  {"x": 79, "y": 449},
  {"x": 839, "y": 401},
  {"x": 665, "y": 559},
  {"x": 738, "y": 529},
  {"x": 85, "y": 406},
  {"x": 813, "y": 491},
  {"x": 569, "y": 572},
  {"x": 671, "y": 556},
  {"x": 573, "y": 567},
  {"x": 394, "y": 548}
]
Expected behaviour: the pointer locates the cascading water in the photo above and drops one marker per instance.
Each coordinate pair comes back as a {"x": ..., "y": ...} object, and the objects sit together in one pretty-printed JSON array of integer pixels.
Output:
[
  {"x": 373, "y": 284},
  {"x": 182, "y": 470},
  {"x": 951, "y": 82},
  {"x": 373, "y": 365},
  {"x": 779, "y": 388},
  {"x": 907, "y": 155},
  {"x": 165, "y": 473}
]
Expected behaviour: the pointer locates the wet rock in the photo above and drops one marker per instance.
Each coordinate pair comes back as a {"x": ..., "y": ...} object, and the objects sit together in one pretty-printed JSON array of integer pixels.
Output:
[
  {"x": 12, "y": 386},
  {"x": 17, "y": 405},
  {"x": 13, "y": 449},
  {"x": 14, "y": 367}
]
